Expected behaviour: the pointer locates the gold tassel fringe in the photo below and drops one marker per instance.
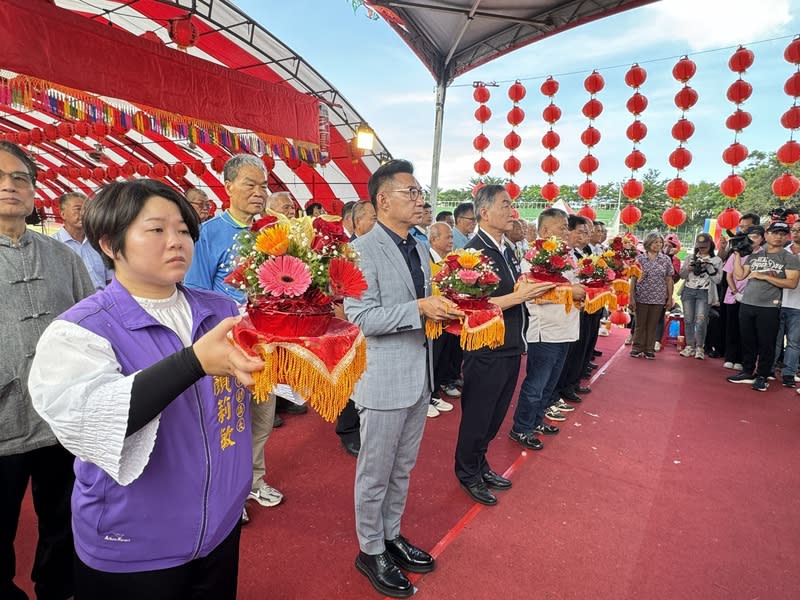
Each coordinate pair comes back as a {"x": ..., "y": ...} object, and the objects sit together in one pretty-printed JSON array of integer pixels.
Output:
[
  {"x": 433, "y": 329},
  {"x": 491, "y": 334},
  {"x": 558, "y": 295}
]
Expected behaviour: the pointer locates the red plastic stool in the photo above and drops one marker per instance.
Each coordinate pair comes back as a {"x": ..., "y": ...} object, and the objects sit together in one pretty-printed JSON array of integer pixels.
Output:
[{"x": 667, "y": 339}]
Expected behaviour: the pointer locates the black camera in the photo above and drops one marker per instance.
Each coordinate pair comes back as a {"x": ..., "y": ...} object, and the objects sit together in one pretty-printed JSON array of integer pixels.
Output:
[
  {"x": 697, "y": 266},
  {"x": 741, "y": 244},
  {"x": 781, "y": 213}
]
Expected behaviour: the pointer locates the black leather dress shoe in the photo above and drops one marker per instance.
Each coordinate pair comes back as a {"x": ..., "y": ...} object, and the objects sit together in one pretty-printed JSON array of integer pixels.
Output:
[
  {"x": 384, "y": 575},
  {"x": 495, "y": 481},
  {"x": 571, "y": 397},
  {"x": 597, "y": 352},
  {"x": 407, "y": 556},
  {"x": 592, "y": 366},
  {"x": 480, "y": 493},
  {"x": 583, "y": 389},
  {"x": 545, "y": 429},
  {"x": 352, "y": 447}
]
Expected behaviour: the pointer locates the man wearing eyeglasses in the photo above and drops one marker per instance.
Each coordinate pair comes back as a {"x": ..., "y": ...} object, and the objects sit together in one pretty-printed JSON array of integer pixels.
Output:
[
  {"x": 39, "y": 279},
  {"x": 464, "y": 215},
  {"x": 393, "y": 394},
  {"x": 200, "y": 203}
]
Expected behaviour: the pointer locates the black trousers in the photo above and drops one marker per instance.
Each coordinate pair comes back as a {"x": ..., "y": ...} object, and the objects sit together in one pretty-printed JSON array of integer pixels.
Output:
[
  {"x": 447, "y": 356},
  {"x": 593, "y": 324},
  {"x": 733, "y": 342},
  {"x": 758, "y": 326},
  {"x": 348, "y": 425},
  {"x": 50, "y": 473},
  {"x": 210, "y": 578},
  {"x": 489, "y": 384}
]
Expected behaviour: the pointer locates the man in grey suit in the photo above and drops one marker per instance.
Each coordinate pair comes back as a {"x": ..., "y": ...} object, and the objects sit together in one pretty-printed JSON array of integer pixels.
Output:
[{"x": 393, "y": 394}]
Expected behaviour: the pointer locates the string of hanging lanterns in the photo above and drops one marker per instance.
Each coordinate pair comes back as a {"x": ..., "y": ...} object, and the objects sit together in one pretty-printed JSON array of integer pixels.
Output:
[
  {"x": 785, "y": 186},
  {"x": 550, "y": 140},
  {"x": 680, "y": 158},
  {"x": 636, "y": 105},
  {"x": 587, "y": 190},
  {"x": 512, "y": 141},
  {"x": 483, "y": 113},
  {"x": 739, "y": 91}
]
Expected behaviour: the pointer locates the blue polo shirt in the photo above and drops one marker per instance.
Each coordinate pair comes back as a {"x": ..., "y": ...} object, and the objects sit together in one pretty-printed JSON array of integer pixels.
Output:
[
  {"x": 213, "y": 254},
  {"x": 90, "y": 257}
]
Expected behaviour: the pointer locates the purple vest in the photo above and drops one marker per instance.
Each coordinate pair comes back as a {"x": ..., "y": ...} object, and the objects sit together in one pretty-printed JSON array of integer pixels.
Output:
[{"x": 190, "y": 495}]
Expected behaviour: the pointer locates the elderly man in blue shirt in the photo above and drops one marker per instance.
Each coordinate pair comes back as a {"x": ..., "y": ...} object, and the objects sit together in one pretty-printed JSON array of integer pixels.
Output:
[{"x": 72, "y": 234}]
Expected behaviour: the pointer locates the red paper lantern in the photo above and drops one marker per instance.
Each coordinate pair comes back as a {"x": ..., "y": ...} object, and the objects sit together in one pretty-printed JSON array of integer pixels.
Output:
[
  {"x": 588, "y": 164},
  {"x": 741, "y": 60},
  {"x": 677, "y": 188},
  {"x": 160, "y": 170},
  {"x": 683, "y": 130},
  {"x": 183, "y": 32},
  {"x": 51, "y": 132},
  {"x": 143, "y": 169},
  {"x": 477, "y": 188},
  {"x": 739, "y": 91},
  {"x": 481, "y": 94},
  {"x": 630, "y": 215},
  {"x": 483, "y": 113},
  {"x": 735, "y": 154},
  {"x": 52, "y": 173},
  {"x": 680, "y": 158},
  {"x": 82, "y": 129},
  {"x": 482, "y": 166},
  {"x": 23, "y": 138},
  {"x": 686, "y": 98},
  {"x": 587, "y": 190},
  {"x": 37, "y": 135},
  {"x": 43, "y": 175},
  {"x": 738, "y": 120},
  {"x": 590, "y": 137},
  {"x": 791, "y": 118},
  {"x": 674, "y": 217},
  {"x": 269, "y": 162},
  {"x": 128, "y": 170},
  {"x": 636, "y": 131},
  {"x": 732, "y": 186},
  {"x": 38, "y": 203},
  {"x": 516, "y": 92},
  {"x": 179, "y": 170},
  {"x": 636, "y": 104},
  {"x": 198, "y": 168},
  {"x": 729, "y": 218},
  {"x": 516, "y": 116},
  {"x": 592, "y": 109},
  {"x": 684, "y": 69},
  {"x": 481, "y": 142},
  {"x": 218, "y": 163},
  {"x": 792, "y": 85},
  {"x": 620, "y": 317},
  {"x": 549, "y": 87},
  {"x": 150, "y": 35},
  {"x": 635, "y": 160},
  {"x": 511, "y": 165},
  {"x": 65, "y": 130},
  {"x": 100, "y": 129},
  {"x": 785, "y": 186},
  {"x": 513, "y": 190},
  {"x": 594, "y": 83},
  {"x": 789, "y": 153},
  {"x": 119, "y": 129},
  {"x": 632, "y": 189},
  {"x": 636, "y": 76},
  {"x": 550, "y": 191},
  {"x": 99, "y": 173},
  {"x": 293, "y": 163},
  {"x": 550, "y": 164},
  {"x": 512, "y": 141},
  {"x": 112, "y": 172},
  {"x": 75, "y": 172},
  {"x": 588, "y": 212},
  {"x": 551, "y": 140},
  {"x": 792, "y": 52},
  {"x": 551, "y": 113}
]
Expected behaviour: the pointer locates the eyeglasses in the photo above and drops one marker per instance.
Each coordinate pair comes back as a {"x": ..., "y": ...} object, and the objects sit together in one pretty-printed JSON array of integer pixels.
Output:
[
  {"x": 795, "y": 229},
  {"x": 414, "y": 193},
  {"x": 19, "y": 179}
]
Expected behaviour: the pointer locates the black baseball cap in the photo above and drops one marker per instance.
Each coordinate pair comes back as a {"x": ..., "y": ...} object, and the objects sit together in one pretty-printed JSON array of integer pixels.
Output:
[{"x": 778, "y": 227}]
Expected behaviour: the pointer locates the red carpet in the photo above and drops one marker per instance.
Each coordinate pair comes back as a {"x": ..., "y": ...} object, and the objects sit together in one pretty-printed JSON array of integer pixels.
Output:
[{"x": 667, "y": 482}]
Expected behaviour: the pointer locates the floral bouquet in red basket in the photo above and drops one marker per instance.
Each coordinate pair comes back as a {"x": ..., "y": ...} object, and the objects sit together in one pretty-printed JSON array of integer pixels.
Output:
[
  {"x": 622, "y": 255},
  {"x": 466, "y": 277},
  {"x": 292, "y": 271},
  {"x": 596, "y": 275},
  {"x": 549, "y": 259}
]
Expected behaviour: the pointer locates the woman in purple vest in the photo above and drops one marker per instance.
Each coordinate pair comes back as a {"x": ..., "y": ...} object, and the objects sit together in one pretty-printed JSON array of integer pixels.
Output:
[{"x": 140, "y": 382}]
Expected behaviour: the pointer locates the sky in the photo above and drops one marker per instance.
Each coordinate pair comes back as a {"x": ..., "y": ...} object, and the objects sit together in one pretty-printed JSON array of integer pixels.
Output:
[{"x": 391, "y": 89}]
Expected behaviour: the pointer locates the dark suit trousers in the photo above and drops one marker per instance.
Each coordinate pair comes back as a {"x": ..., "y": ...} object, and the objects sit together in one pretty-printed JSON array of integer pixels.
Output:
[
  {"x": 348, "y": 425},
  {"x": 447, "y": 355},
  {"x": 489, "y": 384},
  {"x": 593, "y": 323}
]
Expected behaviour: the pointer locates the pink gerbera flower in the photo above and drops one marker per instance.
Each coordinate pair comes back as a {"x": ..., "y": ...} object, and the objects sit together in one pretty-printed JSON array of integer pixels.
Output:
[
  {"x": 284, "y": 276},
  {"x": 468, "y": 276}
]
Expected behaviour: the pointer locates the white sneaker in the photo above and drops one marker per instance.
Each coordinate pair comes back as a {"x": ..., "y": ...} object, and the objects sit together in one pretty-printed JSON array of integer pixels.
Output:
[
  {"x": 266, "y": 495},
  {"x": 432, "y": 411},
  {"x": 738, "y": 367},
  {"x": 441, "y": 405},
  {"x": 629, "y": 340},
  {"x": 727, "y": 365},
  {"x": 451, "y": 391},
  {"x": 562, "y": 406},
  {"x": 699, "y": 354},
  {"x": 688, "y": 351},
  {"x": 657, "y": 347}
]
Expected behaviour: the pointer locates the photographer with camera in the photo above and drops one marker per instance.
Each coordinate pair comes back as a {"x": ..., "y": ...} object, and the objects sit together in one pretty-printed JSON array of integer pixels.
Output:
[
  {"x": 702, "y": 272},
  {"x": 768, "y": 271}
]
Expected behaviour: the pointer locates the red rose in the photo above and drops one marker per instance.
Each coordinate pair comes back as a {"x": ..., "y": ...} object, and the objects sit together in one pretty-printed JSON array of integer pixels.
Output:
[
  {"x": 488, "y": 278},
  {"x": 263, "y": 222},
  {"x": 587, "y": 270},
  {"x": 558, "y": 262},
  {"x": 333, "y": 229}
]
